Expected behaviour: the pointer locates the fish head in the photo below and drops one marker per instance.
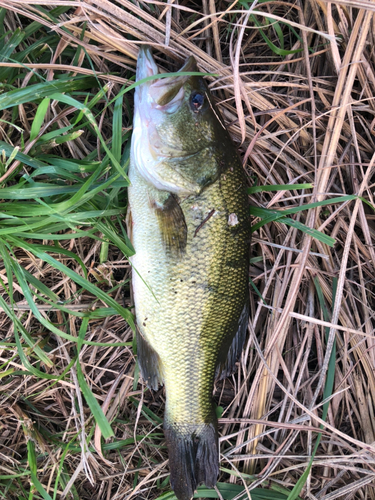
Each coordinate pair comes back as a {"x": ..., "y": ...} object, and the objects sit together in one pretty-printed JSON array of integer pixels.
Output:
[{"x": 178, "y": 135}]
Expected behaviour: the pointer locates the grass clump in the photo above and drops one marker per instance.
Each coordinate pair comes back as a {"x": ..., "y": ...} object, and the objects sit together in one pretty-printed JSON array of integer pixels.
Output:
[{"x": 295, "y": 85}]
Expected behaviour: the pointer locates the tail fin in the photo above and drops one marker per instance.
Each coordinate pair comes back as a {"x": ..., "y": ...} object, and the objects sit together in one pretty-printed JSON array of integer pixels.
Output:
[{"x": 193, "y": 456}]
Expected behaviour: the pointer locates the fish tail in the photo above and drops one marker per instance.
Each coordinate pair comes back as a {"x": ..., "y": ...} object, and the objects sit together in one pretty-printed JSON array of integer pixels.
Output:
[{"x": 193, "y": 456}]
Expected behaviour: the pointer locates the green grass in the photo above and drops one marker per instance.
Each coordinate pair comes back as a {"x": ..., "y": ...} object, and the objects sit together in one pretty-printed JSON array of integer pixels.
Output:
[
  {"x": 51, "y": 199},
  {"x": 66, "y": 312}
]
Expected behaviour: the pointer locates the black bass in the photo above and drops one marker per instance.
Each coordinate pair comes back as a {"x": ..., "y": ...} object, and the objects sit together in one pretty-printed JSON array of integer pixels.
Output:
[{"x": 189, "y": 223}]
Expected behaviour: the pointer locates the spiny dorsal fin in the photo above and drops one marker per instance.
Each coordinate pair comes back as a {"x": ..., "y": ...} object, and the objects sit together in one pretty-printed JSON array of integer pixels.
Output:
[{"x": 172, "y": 225}]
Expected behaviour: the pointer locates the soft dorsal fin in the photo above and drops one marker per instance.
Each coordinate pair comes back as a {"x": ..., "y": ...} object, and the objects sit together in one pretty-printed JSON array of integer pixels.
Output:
[{"x": 228, "y": 367}]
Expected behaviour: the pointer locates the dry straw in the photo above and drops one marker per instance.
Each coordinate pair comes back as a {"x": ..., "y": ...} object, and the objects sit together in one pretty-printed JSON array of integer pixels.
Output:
[{"x": 295, "y": 82}]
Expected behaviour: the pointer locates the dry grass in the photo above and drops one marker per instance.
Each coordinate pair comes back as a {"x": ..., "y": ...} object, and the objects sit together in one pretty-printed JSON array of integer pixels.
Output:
[{"x": 305, "y": 116}]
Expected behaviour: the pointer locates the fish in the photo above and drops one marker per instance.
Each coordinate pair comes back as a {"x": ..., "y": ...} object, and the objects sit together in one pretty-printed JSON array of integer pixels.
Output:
[{"x": 188, "y": 220}]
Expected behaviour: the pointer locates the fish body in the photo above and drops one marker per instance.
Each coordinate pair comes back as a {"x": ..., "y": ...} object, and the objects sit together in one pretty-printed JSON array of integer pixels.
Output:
[{"x": 189, "y": 224}]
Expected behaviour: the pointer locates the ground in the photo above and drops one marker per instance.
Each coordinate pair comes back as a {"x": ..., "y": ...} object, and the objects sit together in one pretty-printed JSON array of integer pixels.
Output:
[{"x": 295, "y": 85}]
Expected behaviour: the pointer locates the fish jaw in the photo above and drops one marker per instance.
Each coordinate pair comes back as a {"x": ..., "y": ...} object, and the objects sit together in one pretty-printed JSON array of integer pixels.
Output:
[
  {"x": 147, "y": 149},
  {"x": 157, "y": 150},
  {"x": 164, "y": 94},
  {"x": 146, "y": 66}
]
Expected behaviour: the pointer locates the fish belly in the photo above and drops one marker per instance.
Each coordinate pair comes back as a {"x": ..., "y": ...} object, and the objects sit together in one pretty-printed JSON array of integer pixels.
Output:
[{"x": 188, "y": 307}]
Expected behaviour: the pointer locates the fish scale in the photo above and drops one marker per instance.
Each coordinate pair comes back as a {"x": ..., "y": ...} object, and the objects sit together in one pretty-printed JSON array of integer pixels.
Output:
[
  {"x": 201, "y": 306},
  {"x": 190, "y": 269}
]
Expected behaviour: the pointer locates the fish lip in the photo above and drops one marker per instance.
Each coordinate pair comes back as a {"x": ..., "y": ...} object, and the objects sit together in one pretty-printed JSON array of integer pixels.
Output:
[
  {"x": 162, "y": 91},
  {"x": 146, "y": 65}
]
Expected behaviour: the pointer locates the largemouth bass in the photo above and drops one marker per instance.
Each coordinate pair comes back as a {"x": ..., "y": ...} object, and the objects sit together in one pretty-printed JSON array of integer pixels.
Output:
[{"x": 189, "y": 223}]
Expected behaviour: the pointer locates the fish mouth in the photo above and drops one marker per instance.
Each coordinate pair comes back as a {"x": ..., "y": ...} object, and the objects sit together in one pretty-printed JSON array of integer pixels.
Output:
[
  {"x": 146, "y": 65},
  {"x": 163, "y": 91}
]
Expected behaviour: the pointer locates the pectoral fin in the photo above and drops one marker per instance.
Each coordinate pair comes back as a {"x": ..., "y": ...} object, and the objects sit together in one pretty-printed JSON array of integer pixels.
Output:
[
  {"x": 229, "y": 366},
  {"x": 149, "y": 363},
  {"x": 172, "y": 224}
]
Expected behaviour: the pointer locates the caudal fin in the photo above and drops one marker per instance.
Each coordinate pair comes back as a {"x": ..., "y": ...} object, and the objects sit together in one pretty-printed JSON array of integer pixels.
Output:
[{"x": 193, "y": 457}]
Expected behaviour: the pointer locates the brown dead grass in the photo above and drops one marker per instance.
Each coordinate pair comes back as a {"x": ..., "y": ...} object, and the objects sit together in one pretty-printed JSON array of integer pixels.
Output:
[{"x": 304, "y": 117}]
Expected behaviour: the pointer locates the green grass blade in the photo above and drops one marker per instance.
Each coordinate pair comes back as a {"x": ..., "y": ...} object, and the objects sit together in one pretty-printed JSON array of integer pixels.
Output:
[
  {"x": 112, "y": 236},
  {"x": 332, "y": 360},
  {"x": 61, "y": 467},
  {"x": 18, "y": 326},
  {"x": 31, "y": 93},
  {"x": 318, "y": 235},
  {"x": 255, "y": 288},
  {"x": 85, "y": 284},
  {"x": 95, "y": 408},
  {"x": 35, "y": 481},
  {"x": 56, "y": 237},
  {"x": 229, "y": 491},
  {"x": 7, "y": 48},
  {"x": 26, "y": 159},
  {"x": 267, "y": 216},
  {"x": 13, "y": 476},
  {"x": 276, "y": 26},
  {"x": 3, "y": 12},
  {"x": 34, "y": 371},
  {"x": 73, "y": 102},
  {"x": 55, "y": 133},
  {"x": 13, "y": 154},
  {"x": 8, "y": 268},
  {"x": 34, "y": 309},
  {"x": 271, "y": 45},
  {"x": 39, "y": 118},
  {"x": 264, "y": 212},
  {"x": 82, "y": 333},
  {"x": 117, "y": 128}
]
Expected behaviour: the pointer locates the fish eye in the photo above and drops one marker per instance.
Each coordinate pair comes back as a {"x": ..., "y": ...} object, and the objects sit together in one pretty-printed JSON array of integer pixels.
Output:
[{"x": 196, "y": 101}]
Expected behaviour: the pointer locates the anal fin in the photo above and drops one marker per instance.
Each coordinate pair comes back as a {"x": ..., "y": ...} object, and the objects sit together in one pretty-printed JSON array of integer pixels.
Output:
[
  {"x": 228, "y": 367},
  {"x": 149, "y": 363}
]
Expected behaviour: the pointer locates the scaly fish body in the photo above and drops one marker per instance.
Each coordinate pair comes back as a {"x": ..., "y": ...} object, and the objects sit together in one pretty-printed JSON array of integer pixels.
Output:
[{"x": 190, "y": 230}]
